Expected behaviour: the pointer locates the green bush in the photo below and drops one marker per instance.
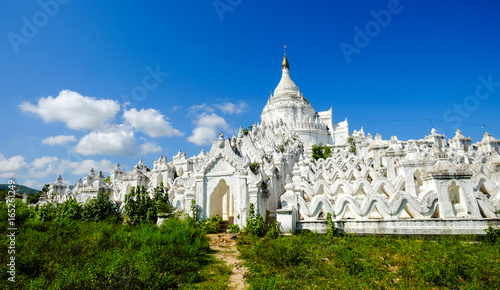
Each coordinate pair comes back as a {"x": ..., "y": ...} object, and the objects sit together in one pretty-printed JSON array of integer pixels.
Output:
[
  {"x": 70, "y": 209},
  {"x": 211, "y": 225},
  {"x": 139, "y": 207},
  {"x": 98, "y": 208},
  {"x": 46, "y": 212},
  {"x": 234, "y": 229},
  {"x": 255, "y": 223},
  {"x": 162, "y": 201},
  {"x": 254, "y": 167},
  {"x": 331, "y": 231},
  {"x": 492, "y": 235},
  {"x": 273, "y": 230},
  {"x": 321, "y": 151},
  {"x": 352, "y": 145}
]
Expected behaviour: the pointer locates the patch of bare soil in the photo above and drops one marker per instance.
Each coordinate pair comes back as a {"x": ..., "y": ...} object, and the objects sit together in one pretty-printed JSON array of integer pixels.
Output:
[{"x": 228, "y": 253}]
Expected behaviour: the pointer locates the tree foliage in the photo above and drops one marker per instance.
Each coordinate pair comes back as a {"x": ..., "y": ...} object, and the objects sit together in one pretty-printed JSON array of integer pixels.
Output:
[
  {"x": 321, "y": 151},
  {"x": 99, "y": 208},
  {"x": 141, "y": 208},
  {"x": 255, "y": 223},
  {"x": 352, "y": 146}
]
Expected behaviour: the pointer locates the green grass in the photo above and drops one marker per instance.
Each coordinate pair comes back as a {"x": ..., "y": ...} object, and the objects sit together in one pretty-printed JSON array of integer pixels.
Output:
[
  {"x": 88, "y": 255},
  {"x": 311, "y": 260},
  {"x": 73, "y": 254}
]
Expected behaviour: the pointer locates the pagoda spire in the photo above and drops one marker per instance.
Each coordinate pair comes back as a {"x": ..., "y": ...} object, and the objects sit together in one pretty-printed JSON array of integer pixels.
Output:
[{"x": 285, "y": 63}]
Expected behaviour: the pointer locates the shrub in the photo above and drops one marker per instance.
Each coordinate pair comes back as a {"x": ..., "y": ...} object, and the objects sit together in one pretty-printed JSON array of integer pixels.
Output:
[
  {"x": 99, "y": 208},
  {"x": 70, "y": 209},
  {"x": 211, "y": 225},
  {"x": 234, "y": 229},
  {"x": 195, "y": 211},
  {"x": 255, "y": 223},
  {"x": 162, "y": 201},
  {"x": 492, "y": 235},
  {"x": 331, "y": 231},
  {"x": 352, "y": 145},
  {"x": 273, "y": 230},
  {"x": 254, "y": 167},
  {"x": 321, "y": 151},
  {"x": 46, "y": 212},
  {"x": 139, "y": 207}
]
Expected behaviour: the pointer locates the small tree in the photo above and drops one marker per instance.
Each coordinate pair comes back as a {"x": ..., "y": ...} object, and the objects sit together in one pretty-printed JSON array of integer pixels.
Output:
[
  {"x": 195, "y": 210},
  {"x": 331, "y": 231},
  {"x": 255, "y": 223},
  {"x": 162, "y": 201},
  {"x": 139, "y": 207},
  {"x": 99, "y": 208},
  {"x": 70, "y": 209}
]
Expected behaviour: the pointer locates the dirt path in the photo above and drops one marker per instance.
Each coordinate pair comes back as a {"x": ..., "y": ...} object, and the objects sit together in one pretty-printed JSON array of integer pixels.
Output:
[{"x": 228, "y": 253}]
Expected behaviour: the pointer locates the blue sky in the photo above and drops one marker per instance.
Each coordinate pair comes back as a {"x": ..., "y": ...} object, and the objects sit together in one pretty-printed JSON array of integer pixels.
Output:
[{"x": 92, "y": 83}]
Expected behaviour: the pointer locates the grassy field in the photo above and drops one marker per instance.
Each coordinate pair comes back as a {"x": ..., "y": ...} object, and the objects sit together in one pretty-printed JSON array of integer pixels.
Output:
[
  {"x": 89, "y": 255},
  {"x": 311, "y": 260},
  {"x": 56, "y": 251}
]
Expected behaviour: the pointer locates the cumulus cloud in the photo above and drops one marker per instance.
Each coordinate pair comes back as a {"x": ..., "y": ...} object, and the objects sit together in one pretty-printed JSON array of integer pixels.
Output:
[
  {"x": 115, "y": 140},
  {"x": 230, "y": 108},
  {"x": 48, "y": 165},
  {"x": 37, "y": 171},
  {"x": 118, "y": 140},
  {"x": 44, "y": 162},
  {"x": 76, "y": 111},
  {"x": 207, "y": 127},
  {"x": 83, "y": 167},
  {"x": 59, "y": 140},
  {"x": 52, "y": 165},
  {"x": 9, "y": 167},
  {"x": 203, "y": 107},
  {"x": 151, "y": 122},
  {"x": 149, "y": 147},
  {"x": 33, "y": 184}
]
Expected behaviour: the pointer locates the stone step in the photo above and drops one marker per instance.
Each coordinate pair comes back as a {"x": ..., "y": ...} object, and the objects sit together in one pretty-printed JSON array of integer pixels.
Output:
[{"x": 224, "y": 225}]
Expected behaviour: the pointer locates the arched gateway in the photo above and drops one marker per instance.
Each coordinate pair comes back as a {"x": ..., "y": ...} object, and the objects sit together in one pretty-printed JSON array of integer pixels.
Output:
[{"x": 224, "y": 185}]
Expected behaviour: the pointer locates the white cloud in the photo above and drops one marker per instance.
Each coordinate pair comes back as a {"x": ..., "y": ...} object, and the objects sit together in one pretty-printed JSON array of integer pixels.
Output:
[
  {"x": 203, "y": 107},
  {"x": 151, "y": 122},
  {"x": 117, "y": 140},
  {"x": 37, "y": 171},
  {"x": 59, "y": 140},
  {"x": 9, "y": 166},
  {"x": 33, "y": 184},
  {"x": 52, "y": 165},
  {"x": 206, "y": 129},
  {"x": 47, "y": 166},
  {"x": 84, "y": 167},
  {"x": 44, "y": 162},
  {"x": 150, "y": 147},
  {"x": 76, "y": 111},
  {"x": 230, "y": 108}
]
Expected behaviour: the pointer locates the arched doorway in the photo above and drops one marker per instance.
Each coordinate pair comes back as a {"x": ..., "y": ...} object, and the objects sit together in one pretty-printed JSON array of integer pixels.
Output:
[
  {"x": 457, "y": 201},
  {"x": 222, "y": 201},
  {"x": 159, "y": 179},
  {"x": 417, "y": 179}
]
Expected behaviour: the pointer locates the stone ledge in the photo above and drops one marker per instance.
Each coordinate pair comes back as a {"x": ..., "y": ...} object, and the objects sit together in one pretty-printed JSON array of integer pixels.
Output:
[{"x": 406, "y": 227}]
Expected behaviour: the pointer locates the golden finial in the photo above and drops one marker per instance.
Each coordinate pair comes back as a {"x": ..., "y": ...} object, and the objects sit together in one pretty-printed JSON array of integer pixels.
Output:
[{"x": 285, "y": 62}]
